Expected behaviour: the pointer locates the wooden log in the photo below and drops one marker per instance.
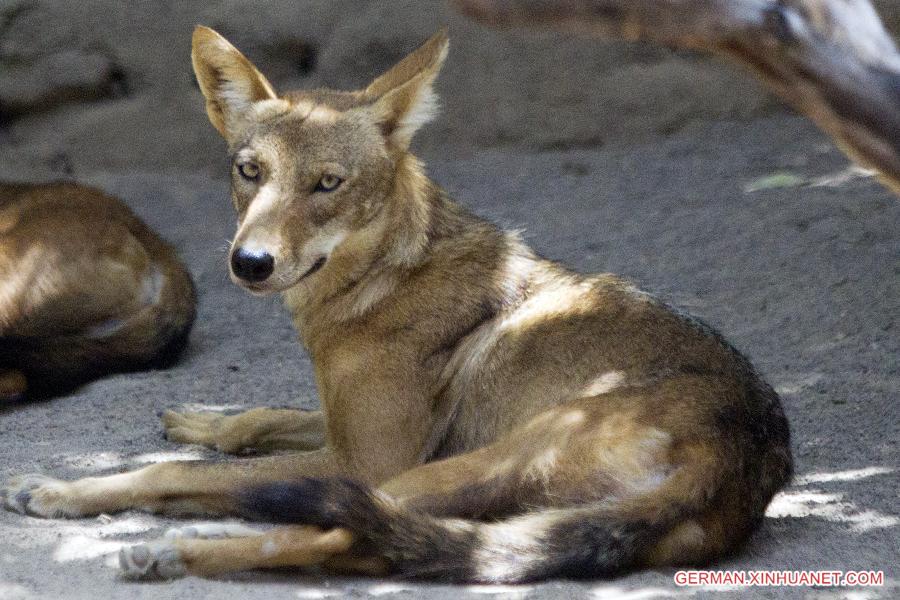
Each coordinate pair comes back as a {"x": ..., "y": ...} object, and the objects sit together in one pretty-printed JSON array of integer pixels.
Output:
[{"x": 832, "y": 60}]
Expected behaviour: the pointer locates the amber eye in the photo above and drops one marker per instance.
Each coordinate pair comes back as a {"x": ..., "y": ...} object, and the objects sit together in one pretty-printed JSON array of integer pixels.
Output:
[
  {"x": 328, "y": 183},
  {"x": 249, "y": 171}
]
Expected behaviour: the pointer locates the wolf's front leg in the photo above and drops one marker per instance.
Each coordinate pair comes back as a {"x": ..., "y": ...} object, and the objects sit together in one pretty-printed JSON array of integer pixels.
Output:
[
  {"x": 181, "y": 487},
  {"x": 263, "y": 429}
]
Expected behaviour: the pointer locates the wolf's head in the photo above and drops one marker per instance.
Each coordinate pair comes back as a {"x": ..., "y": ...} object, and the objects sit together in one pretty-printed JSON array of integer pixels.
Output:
[{"x": 316, "y": 174}]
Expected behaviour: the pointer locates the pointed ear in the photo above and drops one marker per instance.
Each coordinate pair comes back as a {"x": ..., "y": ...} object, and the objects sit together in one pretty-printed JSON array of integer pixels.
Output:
[
  {"x": 404, "y": 98},
  {"x": 229, "y": 82}
]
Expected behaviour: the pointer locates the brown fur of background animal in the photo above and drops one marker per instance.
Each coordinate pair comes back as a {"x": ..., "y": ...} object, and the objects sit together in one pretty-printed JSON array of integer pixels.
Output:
[{"x": 87, "y": 289}]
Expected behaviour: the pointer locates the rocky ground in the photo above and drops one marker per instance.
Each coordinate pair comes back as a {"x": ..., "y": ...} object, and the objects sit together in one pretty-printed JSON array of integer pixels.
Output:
[{"x": 666, "y": 168}]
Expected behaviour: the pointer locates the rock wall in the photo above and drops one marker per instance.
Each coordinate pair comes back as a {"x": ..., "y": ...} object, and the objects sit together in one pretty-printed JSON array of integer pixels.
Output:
[{"x": 107, "y": 85}]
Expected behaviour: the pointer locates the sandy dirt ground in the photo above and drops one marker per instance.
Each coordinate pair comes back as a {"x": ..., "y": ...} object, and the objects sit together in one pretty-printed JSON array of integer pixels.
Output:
[{"x": 804, "y": 279}]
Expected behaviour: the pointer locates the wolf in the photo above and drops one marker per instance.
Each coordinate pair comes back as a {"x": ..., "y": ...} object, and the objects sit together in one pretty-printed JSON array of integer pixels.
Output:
[
  {"x": 487, "y": 415},
  {"x": 86, "y": 289}
]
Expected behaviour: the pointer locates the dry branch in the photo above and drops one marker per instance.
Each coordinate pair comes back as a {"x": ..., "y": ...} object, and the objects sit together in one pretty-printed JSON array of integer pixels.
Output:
[{"x": 832, "y": 60}]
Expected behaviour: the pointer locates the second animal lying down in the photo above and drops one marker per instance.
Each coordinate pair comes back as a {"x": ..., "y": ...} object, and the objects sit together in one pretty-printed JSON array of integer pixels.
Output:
[
  {"x": 487, "y": 415},
  {"x": 86, "y": 289}
]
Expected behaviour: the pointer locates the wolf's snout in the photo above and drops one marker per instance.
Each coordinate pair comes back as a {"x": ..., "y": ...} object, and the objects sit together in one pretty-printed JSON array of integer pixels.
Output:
[{"x": 252, "y": 266}]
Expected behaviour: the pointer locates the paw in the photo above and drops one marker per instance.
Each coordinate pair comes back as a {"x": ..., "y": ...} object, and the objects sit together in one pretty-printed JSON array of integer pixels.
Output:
[
  {"x": 38, "y": 496},
  {"x": 206, "y": 429},
  {"x": 155, "y": 560}
]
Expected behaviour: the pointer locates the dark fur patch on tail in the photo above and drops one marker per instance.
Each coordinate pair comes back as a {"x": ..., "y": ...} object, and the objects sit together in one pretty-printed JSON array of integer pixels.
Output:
[
  {"x": 321, "y": 502},
  {"x": 416, "y": 544},
  {"x": 582, "y": 542},
  {"x": 583, "y": 548}
]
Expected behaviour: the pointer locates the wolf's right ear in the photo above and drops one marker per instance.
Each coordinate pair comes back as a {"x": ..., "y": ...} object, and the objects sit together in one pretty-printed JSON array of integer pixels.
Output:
[
  {"x": 403, "y": 98},
  {"x": 229, "y": 82}
]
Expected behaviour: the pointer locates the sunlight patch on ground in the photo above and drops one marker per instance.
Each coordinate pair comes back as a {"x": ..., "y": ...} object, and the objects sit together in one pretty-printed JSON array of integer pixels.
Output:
[
  {"x": 197, "y": 407},
  {"x": 617, "y": 593},
  {"x": 166, "y": 456},
  {"x": 831, "y": 506},
  {"x": 800, "y": 384},
  {"x": 14, "y": 591},
  {"x": 849, "y": 594},
  {"x": 317, "y": 593},
  {"x": 112, "y": 460},
  {"x": 388, "y": 588},
  {"x": 124, "y": 526},
  {"x": 842, "y": 177},
  {"x": 94, "y": 460},
  {"x": 614, "y": 592},
  {"x": 505, "y": 591},
  {"x": 83, "y": 541},
  {"x": 102, "y": 526},
  {"x": 82, "y": 547},
  {"x": 850, "y": 475},
  {"x": 89, "y": 542},
  {"x": 787, "y": 179}
]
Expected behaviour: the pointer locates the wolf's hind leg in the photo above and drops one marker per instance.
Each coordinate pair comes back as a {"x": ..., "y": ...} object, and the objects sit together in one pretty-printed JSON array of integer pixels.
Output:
[
  {"x": 263, "y": 429},
  {"x": 581, "y": 451},
  {"x": 294, "y": 546}
]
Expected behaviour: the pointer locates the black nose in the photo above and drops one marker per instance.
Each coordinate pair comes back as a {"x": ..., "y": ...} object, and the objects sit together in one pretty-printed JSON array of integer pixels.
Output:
[{"x": 252, "y": 266}]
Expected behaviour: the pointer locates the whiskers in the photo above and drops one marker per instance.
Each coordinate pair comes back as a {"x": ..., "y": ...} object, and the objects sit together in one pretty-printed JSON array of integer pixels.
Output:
[{"x": 226, "y": 247}]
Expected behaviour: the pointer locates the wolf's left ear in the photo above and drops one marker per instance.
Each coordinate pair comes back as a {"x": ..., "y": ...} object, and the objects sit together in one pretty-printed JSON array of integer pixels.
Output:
[
  {"x": 404, "y": 98},
  {"x": 229, "y": 82}
]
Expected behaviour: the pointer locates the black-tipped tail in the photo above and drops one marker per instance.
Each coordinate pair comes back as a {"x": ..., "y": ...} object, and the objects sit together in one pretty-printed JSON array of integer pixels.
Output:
[{"x": 576, "y": 542}]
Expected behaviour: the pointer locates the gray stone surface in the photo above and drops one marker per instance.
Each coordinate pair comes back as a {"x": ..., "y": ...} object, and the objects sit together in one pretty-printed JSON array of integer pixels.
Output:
[
  {"x": 78, "y": 78},
  {"x": 804, "y": 280}
]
